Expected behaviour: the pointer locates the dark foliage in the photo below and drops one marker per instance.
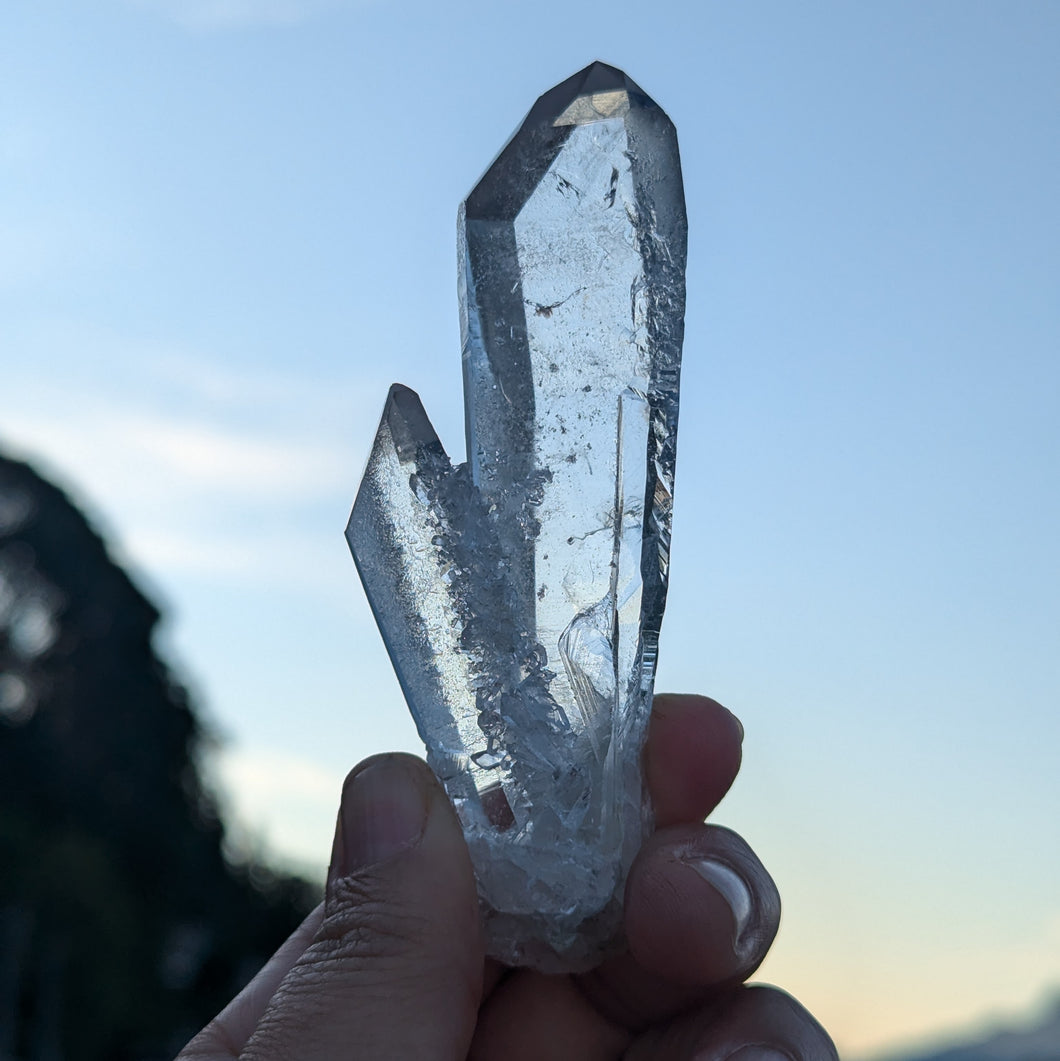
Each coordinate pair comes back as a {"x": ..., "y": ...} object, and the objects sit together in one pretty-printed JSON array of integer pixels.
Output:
[{"x": 122, "y": 927}]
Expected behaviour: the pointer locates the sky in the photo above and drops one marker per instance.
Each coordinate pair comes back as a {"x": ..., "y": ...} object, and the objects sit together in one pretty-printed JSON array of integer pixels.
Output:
[{"x": 227, "y": 226}]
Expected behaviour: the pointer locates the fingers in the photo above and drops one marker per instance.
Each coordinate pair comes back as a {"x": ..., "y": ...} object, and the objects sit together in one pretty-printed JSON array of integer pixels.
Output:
[
  {"x": 700, "y": 908},
  {"x": 395, "y": 968},
  {"x": 692, "y": 756},
  {"x": 747, "y": 1024},
  {"x": 701, "y": 913},
  {"x": 691, "y": 921},
  {"x": 226, "y": 1035},
  {"x": 532, "y": 1016}
]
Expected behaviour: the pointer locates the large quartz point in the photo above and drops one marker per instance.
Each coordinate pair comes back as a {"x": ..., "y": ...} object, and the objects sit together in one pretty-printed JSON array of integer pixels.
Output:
[{"x": 520, "y": 594}]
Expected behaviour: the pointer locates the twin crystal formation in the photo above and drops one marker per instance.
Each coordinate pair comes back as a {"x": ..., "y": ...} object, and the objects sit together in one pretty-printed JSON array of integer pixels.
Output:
[{"x": 520, "y": 594}]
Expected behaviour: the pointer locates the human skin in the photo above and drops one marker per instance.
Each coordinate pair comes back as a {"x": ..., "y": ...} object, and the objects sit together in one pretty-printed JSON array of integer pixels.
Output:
[{"x": 392, "y": 965}]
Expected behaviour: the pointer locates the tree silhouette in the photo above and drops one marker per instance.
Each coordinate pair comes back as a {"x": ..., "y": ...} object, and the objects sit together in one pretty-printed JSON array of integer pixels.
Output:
[{"x": 122, "y": 927}]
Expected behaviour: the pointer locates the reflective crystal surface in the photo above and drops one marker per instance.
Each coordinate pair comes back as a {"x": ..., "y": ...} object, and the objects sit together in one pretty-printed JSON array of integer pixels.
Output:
[{"x": 520, "y": 594}]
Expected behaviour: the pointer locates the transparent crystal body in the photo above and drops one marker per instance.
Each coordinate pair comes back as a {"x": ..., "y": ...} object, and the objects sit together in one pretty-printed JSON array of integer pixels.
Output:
[{"x": 520, "y": 594}]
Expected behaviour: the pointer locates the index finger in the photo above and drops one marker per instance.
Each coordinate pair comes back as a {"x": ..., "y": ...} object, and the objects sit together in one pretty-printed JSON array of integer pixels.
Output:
[
  {"x": 692, "y": 757},
  {"x": 225, "y": 1036}
]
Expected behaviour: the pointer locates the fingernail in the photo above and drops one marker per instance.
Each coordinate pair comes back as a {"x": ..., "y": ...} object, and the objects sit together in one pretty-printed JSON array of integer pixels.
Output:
[
  {"x": 384, "y": 811},
  {"x": 737, "y": 895}
]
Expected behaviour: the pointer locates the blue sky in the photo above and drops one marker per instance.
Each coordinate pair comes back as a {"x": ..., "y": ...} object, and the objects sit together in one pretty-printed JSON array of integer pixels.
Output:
[{"x": 226, "y": 226}]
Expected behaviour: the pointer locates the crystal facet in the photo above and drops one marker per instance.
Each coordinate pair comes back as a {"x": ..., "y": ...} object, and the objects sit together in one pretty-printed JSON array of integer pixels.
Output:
[{"x": 520, "y": 594}]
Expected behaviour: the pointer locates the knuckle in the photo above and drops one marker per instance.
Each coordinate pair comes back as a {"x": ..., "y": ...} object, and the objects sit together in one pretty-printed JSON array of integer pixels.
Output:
[
  {"x": 361, "y": 924},
  {"x": 789, "y": 1022}
]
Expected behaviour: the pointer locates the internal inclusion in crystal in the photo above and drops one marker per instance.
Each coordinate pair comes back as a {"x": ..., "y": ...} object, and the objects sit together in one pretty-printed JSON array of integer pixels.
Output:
[{"x": 520, "y": 594}]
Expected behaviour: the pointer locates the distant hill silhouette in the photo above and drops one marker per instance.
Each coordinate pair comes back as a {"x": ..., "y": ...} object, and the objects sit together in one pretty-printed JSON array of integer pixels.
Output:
[
  {"x": 1039, "y": 1041},
  {"x": 122, "y": 927}
]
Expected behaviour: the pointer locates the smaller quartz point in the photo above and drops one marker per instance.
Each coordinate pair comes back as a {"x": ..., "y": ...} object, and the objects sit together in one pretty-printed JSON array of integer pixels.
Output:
[{"x": 520, "y": 594}]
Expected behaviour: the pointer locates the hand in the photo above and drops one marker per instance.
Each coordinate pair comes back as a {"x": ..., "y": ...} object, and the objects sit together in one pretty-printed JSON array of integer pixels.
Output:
[{"x": 391, "y": 964}]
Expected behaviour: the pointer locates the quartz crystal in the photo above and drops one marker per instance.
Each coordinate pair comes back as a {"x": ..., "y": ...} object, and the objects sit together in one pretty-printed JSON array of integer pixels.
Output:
[{"x": 520, "y": 594}]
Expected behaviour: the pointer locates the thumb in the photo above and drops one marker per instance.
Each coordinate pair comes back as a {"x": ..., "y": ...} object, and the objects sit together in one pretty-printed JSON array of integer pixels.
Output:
[{"x": 395, "y": 969}]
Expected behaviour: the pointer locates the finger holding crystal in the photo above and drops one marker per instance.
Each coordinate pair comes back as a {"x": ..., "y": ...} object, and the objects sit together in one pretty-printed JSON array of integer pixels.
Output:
[
  {"x": 758, "y": 1023},
  {"x": 701, "y": 909},
  {"x": 692, "y": 756},
  {"x": 701, "y": 913}
]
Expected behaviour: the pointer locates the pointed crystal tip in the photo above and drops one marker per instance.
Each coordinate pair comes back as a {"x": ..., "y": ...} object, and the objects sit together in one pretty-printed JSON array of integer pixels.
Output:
[
  {"x": 408, "y": 422},
  {"x": 594, "y": 94}
]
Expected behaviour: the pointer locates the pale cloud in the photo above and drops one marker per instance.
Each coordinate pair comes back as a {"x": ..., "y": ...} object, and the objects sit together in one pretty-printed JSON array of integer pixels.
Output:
[
  {"x": 279, "y": 806},
  {"x": 191, "y": 550},
  {"x": 61, "y": 361},
  {"x": 202, "y": 469},
  {"x": 215, "y": 459},
  {"x": 288, "y": 396},
  {"x": 190, "y": 498},
  {"x": 134, "y": 457}
]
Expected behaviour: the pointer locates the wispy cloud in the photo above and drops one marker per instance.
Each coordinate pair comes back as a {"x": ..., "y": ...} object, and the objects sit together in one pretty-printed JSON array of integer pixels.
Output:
[
  {"x": 213, "y": 458},
  {"x": 278, "y": 805},
  {"x": 194, "y": 551},
  {"x": 201, "y": 469},
  {"x": 163, "y": 460}
]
